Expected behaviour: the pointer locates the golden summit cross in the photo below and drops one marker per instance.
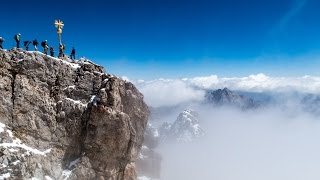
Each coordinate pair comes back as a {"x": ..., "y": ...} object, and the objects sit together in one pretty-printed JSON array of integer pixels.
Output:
[{"x": 59, "y": 24}]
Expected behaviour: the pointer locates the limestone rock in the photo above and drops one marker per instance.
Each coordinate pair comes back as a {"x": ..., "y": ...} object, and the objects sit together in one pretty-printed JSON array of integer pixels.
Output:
[{"x": 67, "y": 120}]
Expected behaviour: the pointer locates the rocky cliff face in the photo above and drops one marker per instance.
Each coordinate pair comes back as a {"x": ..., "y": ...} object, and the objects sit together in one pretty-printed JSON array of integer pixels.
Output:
[{"x": 67, "y": 120}]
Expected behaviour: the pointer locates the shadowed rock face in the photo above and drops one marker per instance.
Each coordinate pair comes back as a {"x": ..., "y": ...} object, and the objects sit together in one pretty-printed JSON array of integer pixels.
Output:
[{"x": 83, "y": 122}]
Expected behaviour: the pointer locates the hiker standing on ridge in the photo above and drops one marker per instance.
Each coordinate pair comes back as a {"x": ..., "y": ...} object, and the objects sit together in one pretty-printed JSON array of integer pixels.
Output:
[
  {"x": 73, "y": 53},
  {"x": 17, "y": 39},
  {"x": 61, "y": 49},
  {"x": 35, "y": 44},
  {"x": 51, "y": 51},
  {"x": 45, "y": 47},
  {"x": 26, "y": 44},
  {"x": 1, "y": 41}
]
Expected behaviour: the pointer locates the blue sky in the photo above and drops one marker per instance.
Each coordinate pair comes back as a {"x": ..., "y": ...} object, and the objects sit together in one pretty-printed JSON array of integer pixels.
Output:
[{"x": 146, "y": 39}]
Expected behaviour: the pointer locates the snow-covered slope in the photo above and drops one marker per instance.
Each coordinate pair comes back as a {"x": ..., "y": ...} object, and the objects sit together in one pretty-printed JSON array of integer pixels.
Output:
[{"x": 186, "y": 128}]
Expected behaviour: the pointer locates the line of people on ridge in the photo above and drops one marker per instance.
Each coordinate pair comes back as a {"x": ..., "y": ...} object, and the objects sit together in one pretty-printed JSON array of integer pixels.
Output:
[{"x": 44, "y": 45}]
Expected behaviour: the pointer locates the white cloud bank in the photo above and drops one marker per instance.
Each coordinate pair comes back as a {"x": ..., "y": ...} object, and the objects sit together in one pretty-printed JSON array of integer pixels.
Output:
[
  {"x": 259, "y": 83},
  {"x": 259, "y": 145},
  {"x": 174, "y": 91},
  {"x": 278, "y": 142},
  {"x": 168, "y": 92}
]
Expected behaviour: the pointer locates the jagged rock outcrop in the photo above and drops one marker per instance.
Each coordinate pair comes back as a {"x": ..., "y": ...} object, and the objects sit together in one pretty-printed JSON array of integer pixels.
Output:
[
  {"x": 185, "y": 129},
  {"x": 67, "y": 120},
  {"x": 225, "y": 97}
]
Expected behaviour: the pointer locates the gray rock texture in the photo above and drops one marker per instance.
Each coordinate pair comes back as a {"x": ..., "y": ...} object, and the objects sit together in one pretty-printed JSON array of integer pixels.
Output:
[{"x": 67, "y": 120}]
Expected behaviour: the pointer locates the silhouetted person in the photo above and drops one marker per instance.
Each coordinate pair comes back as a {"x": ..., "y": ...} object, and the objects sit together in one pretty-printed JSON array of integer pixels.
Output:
[
  {"x": 73, "y": 53},
  {"x": 45, "y": 47},
  {"x": 51, "y": 51},
  {"x": 1, "y": 41},
  {"x": 35, "y": 44},
  {"x": 61, "y": 49},
  {"x": 17, "y": 39},
  {"x": 26, "y": 44}
]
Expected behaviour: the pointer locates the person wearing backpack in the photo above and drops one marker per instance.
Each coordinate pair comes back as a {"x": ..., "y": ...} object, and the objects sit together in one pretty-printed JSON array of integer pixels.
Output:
[
  {"x": 35, "y": 44},
  {"x": 17, "y": 39},
  {"x": 1, "y": 41},
  {"x": 26, "y": 44},
  {"x": 61, "y": 50},
  {"x": 45, "y": 47},
  {"x": 51, "y": 51}
]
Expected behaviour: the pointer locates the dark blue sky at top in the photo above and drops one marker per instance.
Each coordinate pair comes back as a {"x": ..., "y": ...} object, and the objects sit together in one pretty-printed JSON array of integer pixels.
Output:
[{"x": 177, "y": 38}]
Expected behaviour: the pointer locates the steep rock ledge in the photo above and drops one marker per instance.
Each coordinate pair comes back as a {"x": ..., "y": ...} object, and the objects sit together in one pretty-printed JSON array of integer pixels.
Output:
[{"x": 67, "y": 120}]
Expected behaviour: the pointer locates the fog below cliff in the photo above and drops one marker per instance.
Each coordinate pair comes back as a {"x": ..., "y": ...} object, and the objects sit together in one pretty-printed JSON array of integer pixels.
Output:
[
  {"x": 261, "y": 144},
  {"x": 280, "y": 140}
]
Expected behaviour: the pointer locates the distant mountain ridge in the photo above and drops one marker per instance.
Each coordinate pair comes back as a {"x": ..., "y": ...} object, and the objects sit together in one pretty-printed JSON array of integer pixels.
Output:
[{"x": 226, "y": 97}]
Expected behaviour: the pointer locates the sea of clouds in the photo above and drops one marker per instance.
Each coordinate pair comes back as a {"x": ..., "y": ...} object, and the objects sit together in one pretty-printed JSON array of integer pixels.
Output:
[
  {"x": 275, "y": 142},
  {"x": 263, "y": 145},
  {"x": 163, "y": 92}
]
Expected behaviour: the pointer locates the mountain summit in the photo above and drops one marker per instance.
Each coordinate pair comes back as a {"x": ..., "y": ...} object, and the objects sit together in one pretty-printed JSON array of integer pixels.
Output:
[
  {"x": 186, "y": 128},
  {"x": 225, "y": 97},
  {"x": 61, "y": 119}
]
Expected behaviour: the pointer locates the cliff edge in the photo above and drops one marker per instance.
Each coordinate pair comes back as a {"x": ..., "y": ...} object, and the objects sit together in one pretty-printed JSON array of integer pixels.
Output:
[{"x": 61, "y": 119}]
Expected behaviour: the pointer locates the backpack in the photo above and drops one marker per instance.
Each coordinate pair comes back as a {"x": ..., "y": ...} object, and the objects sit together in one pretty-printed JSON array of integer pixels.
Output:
[
  {"x": 43, "y": 43},
  {"x": 26, "y": 43},
  {"x": 35, "y": 42}
]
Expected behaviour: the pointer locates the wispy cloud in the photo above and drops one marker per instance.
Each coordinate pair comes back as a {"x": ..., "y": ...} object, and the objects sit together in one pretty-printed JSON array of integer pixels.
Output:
[
  {"x": 168, "y": 92},
  {"x": 259, "y": 83},
  {"x": 296, "y": 7}
]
